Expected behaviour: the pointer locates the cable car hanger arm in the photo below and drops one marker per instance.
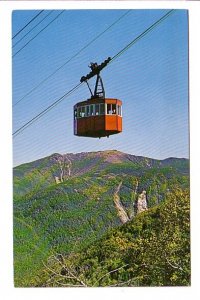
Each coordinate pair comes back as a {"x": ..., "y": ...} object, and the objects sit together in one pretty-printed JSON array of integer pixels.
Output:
[{"x": 99, "y": 91}]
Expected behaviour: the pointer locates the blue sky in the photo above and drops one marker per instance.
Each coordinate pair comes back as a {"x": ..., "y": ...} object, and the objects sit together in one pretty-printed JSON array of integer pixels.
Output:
[{"x": 151, "y": 78}]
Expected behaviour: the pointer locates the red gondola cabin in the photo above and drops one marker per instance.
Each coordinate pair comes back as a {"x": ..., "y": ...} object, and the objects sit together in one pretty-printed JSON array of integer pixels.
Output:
[{"x": 97, "y": 116}]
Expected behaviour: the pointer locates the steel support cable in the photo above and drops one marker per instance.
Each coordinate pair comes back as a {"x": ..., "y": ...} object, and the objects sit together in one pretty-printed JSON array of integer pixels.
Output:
[
  {"x": 78, "y": 85},
  {"x": 27, "y": 24},
  {"x": 32, "y": 29},
  {"x": 22, "y": 128},
  {"x": 71, "y": 58},
  {"x": 38, "y": 33},
  {"x": 142, "y": 35}
]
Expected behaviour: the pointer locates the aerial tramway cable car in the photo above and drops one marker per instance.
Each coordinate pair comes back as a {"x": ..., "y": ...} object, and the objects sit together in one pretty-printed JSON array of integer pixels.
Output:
[{"x": 97, "y": 116}]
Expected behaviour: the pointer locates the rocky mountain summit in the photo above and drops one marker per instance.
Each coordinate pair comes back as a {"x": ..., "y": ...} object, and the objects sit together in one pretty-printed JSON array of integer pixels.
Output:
[{"x": 61, "y": 167}]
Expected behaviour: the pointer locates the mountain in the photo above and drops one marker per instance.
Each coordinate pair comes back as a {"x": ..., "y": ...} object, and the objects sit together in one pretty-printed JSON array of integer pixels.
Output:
[
  {"x": 64, "y": 203},
  {"x": 58, "y": 168}
]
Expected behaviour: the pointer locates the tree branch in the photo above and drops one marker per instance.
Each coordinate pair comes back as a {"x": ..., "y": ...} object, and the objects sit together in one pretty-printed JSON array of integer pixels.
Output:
[
  {"x": 174, "y": 265},
  {"x": 110, "y": 273},
  {"x": 73, "y": 276}
]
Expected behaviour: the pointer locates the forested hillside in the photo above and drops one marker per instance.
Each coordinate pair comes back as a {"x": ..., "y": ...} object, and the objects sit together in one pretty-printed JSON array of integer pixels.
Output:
[
  {"x": 65, "y": 204},
  {"x": 151, "y": 250}
]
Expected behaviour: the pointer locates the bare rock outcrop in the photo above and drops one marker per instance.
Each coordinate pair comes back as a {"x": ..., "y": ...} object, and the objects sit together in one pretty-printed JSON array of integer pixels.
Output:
[
  {"x": 120, "y": 209},
  {"x": 141, "y": 204},
  {"x": 64, "y": 167}
]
